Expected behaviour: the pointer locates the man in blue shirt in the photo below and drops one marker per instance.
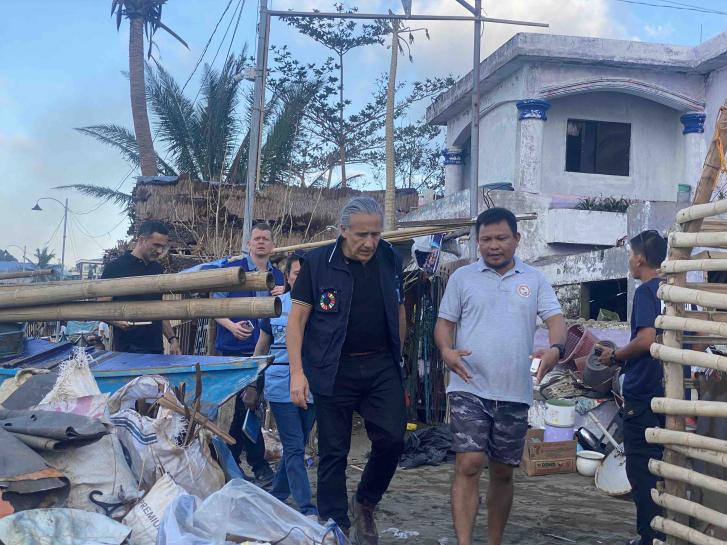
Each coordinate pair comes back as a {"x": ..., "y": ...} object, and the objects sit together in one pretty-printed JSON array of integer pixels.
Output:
[
  {"x": 643, "y": 376},
  {"x": 238, "y": 336}
]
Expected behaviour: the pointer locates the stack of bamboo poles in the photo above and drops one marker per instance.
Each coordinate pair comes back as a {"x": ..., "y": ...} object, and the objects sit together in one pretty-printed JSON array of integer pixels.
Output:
[
  {"x": 693, "y": 230},
  {"x": 75, "y": 300}
]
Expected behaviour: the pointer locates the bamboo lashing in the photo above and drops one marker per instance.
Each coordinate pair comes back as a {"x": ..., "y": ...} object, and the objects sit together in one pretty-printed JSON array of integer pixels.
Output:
[
  {"x": 232, "y": 278},
  {"x": 184, "y": 309},
  {"x": 688, "y": 407},
  {"x": 688, "y": 357},
  {"x": 678, "y": 473},
  {"x": 671, "y": 528},
  {"x": 25, "y": 274},
  {"x": 716, "y": 458},
  {"x": 690, "y": 240},
  {"x": 687, "y": 439},
  {"x": 705, "y": 514},
  {"x": 686, "y": 265},
  {"x": 677, "y": 294}
]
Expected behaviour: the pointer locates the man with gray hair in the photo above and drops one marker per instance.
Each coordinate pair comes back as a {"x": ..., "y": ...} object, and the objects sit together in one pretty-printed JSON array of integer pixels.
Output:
[{"x": 345, "y": 334}]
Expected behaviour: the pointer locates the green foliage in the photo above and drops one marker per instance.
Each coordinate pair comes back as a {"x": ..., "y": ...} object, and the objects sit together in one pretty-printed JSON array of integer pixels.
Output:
[
  {"x": 148, "y": 10},
  {"x": 604, "y": 204},
  {"x": 102, "y": 193},
  {"x": 7, "y": 256},
  {"x": 43, "y": 257}
]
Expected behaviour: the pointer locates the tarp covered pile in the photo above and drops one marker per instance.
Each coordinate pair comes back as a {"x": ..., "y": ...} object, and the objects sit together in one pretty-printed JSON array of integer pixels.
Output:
[{"x": 80, "y": 467}]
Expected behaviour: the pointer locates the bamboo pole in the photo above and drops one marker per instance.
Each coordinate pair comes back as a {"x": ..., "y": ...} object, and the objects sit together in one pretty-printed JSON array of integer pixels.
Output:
[
  {"x": 709, "y": 287},
  {"x": 168, "y": 401},
  {"x": 25, "y": 274},
  {"x": 202, "y": 281},
  {"x": 689, "y": 357},
  {"x": 690, "y": 508},
  {"x": 681, "y": 531},
  {"x": 681, "y": 474},
  {"x": 677, "y": 294},
  {"x": 691, "y": 324},
  {"x": 686, "y": 265},
  {"x": 687, "y": 439},
  {"x": 186, "y": 309},
  {"x": 701, "y": 211},
  {"x": 673, "y": 376},
  {"x": 716, "y": 458},
  {"x": 688, "y": 407},
  {"x": 716, "y": 316},
  {"x": 690, "y": 240},
  {"x": 709, "y": 254}
]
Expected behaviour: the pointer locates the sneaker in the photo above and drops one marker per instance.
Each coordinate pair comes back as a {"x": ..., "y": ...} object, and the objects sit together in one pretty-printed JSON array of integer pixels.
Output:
[{"x": 363, "y": 526}]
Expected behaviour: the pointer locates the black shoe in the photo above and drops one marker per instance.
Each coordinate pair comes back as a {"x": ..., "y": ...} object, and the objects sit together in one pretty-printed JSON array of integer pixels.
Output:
[{"x": 264, "y": 477}]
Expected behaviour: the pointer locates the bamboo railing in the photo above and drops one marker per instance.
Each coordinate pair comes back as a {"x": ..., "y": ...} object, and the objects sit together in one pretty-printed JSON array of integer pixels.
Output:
[{"x": 693, "y": 229}]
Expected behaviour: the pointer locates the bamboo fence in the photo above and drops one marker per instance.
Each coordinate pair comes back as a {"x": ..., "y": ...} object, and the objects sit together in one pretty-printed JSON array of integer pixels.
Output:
[{"x": 696, "y": 226}]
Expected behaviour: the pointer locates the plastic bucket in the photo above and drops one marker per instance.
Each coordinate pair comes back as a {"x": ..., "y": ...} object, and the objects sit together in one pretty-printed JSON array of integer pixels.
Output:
[
  {"x": 555, "y": 433},
  {"x": 560, "y": 413}
]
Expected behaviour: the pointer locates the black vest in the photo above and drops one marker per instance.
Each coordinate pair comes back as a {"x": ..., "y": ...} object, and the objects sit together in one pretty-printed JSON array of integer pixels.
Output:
[{"x": 325, "y": 331}]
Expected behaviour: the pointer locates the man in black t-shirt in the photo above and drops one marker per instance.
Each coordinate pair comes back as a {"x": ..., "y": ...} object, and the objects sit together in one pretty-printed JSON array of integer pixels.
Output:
[
  {"x": 345, "y": 331},
  {"x": 144, "y": 338}
]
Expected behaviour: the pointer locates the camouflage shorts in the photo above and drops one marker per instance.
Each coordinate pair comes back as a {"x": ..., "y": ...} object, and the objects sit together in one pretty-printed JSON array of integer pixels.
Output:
[{"x": 496, "y": 428}]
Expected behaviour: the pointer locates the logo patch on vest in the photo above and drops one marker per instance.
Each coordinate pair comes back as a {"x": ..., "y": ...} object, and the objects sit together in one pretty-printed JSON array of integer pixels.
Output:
[
  {"x": 523, "y": 290},
  {"x": 328, "y": 302}
]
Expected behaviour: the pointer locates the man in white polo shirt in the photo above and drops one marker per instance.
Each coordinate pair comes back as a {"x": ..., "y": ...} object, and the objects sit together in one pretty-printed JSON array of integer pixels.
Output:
[{"x": 485, "y": 331}]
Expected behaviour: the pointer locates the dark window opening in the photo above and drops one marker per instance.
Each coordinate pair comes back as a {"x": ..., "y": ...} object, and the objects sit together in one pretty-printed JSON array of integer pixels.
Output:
[
  {"x": 598, "y": 147},
  {"x": 607, "y": 295}
]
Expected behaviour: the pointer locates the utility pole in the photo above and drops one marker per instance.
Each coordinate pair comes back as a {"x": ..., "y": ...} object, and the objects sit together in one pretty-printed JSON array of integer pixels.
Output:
[
  {"x": 475, "y": 131},
  {"x": 256, "y": 123},
  {"x": 63, "y": 247}
]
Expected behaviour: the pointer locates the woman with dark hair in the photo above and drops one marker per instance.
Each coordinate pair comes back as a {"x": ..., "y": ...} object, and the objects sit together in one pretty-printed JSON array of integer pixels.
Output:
[{"x": 294, "y": 424}]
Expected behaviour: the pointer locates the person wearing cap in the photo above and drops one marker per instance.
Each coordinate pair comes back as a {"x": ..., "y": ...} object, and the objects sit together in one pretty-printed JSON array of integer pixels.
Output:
[{"x": 345, "y": 333}]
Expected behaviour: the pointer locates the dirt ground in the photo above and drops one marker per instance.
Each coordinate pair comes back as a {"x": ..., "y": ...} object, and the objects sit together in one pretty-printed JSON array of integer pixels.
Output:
[{"x": 568, "y": 506}]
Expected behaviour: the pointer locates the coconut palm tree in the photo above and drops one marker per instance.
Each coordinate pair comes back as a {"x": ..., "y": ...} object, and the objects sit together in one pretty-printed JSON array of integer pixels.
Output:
[
  {"x": 44, "y": 257},
  {"x": 144, "y": 17},
  {"x": 205, "y": 137}
]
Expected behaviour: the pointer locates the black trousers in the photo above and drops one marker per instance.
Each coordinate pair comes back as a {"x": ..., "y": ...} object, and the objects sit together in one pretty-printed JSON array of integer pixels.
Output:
[
  {"x": 637, "y": 416},
  {"x": 254, "y": 452},
  {"x": 372, "y": 387}
]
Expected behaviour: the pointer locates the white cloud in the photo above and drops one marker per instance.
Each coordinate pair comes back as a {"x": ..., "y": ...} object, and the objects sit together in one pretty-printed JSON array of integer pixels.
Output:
[{"x": 656, "y": 31}]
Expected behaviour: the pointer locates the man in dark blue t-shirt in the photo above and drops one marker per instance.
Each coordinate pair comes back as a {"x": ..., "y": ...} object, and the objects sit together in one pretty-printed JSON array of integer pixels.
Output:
[{"x": 643, "y": 379}]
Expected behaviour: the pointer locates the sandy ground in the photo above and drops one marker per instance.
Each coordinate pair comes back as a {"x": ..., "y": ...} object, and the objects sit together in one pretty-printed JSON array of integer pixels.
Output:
[{"x": 568, "y": 506}]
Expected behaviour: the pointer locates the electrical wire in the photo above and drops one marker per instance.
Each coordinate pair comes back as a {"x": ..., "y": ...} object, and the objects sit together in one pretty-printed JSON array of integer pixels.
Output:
[
  {"x": 685, "y": 7},
  {"x": 52, "y": 237},
  {"x": 209, "y": 41}
]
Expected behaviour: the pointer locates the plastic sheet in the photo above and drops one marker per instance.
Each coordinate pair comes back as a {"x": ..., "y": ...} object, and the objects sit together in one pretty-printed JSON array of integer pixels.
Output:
[
  {"x": 61, "y": 527},
  {"x": 239, "y": 509}
]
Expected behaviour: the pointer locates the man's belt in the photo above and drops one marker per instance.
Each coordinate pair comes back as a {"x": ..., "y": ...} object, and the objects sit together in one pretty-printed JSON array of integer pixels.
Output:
[{"x": 366, "y": 354}]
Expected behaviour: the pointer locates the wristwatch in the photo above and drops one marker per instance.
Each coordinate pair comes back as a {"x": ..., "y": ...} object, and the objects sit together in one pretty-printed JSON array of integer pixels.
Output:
[
  {"x": 172, "y": 338},
  {"x": 561, "y": 350}
]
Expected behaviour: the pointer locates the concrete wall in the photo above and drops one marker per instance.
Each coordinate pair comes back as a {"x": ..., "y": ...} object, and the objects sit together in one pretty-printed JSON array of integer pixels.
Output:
[
  {"x": 498, "y": 145},
  {"x": 656, "y": 158},
  {"x": 568, "y": 226},
  {"x": 716, "y": 95}
]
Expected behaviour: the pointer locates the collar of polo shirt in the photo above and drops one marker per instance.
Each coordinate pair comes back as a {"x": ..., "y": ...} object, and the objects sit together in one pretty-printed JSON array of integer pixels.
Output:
[{"x": 518, "y": 268}]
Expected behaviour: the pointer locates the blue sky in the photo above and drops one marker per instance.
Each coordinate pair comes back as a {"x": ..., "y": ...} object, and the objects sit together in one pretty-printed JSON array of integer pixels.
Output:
[{"x": 62, "y": 66}]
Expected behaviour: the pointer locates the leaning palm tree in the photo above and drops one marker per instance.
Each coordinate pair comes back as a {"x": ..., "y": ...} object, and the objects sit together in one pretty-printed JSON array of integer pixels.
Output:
[
  {"x": 144, "y": 17},
  {"x": 44, "y": 257}
]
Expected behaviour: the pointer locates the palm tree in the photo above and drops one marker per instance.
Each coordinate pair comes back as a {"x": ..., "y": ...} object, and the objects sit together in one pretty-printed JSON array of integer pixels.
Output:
[
  {"x": 44, "y": 257},
  {"x": 144, "y": 16},
  {"x": 205, "y": 137}
]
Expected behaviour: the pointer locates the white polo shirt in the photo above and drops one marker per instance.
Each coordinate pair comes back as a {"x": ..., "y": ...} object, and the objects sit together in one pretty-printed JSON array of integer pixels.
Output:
[{"x": 496, "y": 319}]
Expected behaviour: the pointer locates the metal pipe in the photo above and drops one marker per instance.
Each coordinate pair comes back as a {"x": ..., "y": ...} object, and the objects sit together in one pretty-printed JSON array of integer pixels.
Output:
[{"x": 394, "y": 17}]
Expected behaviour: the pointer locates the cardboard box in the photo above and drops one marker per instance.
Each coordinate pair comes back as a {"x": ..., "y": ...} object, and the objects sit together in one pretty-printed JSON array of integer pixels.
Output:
[{"x": 540, "y": 458}]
